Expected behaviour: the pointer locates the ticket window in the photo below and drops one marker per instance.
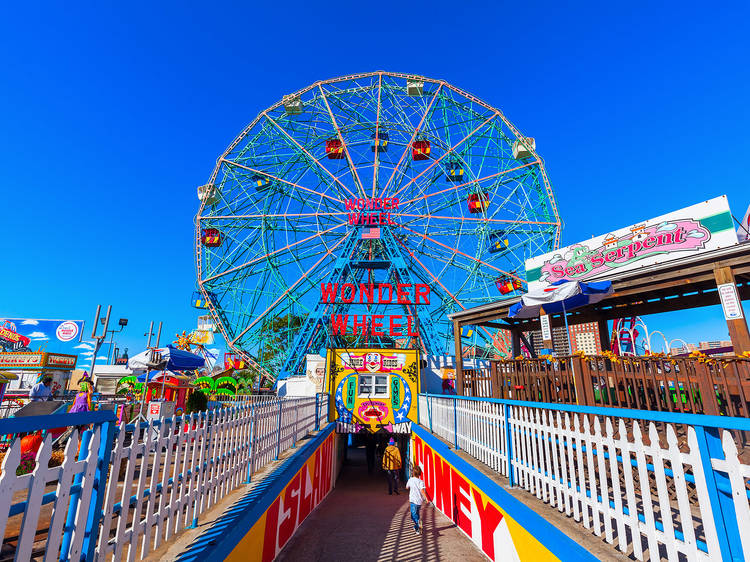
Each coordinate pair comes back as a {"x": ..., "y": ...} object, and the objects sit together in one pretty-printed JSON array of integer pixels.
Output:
[{"x": 373, "y": 386}]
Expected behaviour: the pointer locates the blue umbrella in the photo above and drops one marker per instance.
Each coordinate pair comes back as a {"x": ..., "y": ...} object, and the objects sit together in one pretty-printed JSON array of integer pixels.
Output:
[
  {"x": 148, "y": 376},
  {"x": 166, "y": 358},
  {"x": 561, "y": 297}
]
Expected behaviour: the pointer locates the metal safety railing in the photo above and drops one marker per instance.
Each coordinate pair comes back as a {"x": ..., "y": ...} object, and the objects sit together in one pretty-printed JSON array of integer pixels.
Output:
[
  {"x": 655, "y": 484},
  {"x": 132, "y": 487},
  {"x": 699, "y": 385}
]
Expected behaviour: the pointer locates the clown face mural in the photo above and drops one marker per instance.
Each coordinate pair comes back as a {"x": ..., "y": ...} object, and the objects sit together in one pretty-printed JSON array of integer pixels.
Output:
[{"x": 373, "y": 389}]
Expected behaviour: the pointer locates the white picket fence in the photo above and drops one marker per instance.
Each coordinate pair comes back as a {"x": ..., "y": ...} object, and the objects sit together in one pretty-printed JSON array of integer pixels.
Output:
[
  {"x": 158, "y": 478},
  {"x": 679, "y": 492}
]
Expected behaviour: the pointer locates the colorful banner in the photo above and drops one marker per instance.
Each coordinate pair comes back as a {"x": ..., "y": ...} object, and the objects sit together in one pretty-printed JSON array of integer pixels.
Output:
[
  {"x": 690, "y": 231},
  {"x": 31, "y": 335},
  {"x": 303, "y": 492},
  {"x": 499, "y": 524},
  {"x": 373, "y": 389},
  {"x": 37, "y": 361}
]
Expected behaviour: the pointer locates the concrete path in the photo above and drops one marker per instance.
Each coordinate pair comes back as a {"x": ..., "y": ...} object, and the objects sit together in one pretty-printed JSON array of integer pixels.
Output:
[{"x": 360, "y": 521}]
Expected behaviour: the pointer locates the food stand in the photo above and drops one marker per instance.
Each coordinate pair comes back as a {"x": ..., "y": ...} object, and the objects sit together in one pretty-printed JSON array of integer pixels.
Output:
[
  {"x": 31, "y": 367},
  {"x": 168, "y": 387}
]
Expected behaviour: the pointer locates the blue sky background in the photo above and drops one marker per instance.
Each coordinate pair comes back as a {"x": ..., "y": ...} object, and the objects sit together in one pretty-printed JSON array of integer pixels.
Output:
[{"x": 111, "y": 116}]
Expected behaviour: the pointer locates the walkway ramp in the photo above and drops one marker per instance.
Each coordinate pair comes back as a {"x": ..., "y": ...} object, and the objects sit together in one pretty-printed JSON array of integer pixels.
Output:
[{"x": 360, "y": 521}]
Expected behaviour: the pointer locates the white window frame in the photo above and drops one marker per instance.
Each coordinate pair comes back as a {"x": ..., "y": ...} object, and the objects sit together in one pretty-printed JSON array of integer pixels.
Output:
[{"x": 370, "y": 382}]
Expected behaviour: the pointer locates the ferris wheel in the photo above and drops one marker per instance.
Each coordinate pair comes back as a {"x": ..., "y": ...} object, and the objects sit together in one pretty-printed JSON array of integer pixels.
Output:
[{"x": 368, "y": 180}]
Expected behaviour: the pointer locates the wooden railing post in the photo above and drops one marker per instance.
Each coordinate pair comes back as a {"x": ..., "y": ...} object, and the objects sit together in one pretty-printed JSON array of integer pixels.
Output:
[
  {"x": 582, "y": 381},
  {"x": 459, "y": 358},
  {"x": 708, "y": 392},
  {"x": 738, "y": 331},
  {"x": 494, "y": 380}
]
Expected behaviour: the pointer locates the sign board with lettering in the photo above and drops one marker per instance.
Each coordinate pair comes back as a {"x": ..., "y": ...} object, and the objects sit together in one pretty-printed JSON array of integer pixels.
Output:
[
  {"x": 38, "y": 361},
  {"x": 730, "y": 301},
  {"x": 21, "y": 360},
  {"x": 546, "y": 331},
  {"x": 279, "y": 509},
  {"x": 373, "y": 389},
  {"x": 59, "y": 361},
  {"x": 159, "y": 410},
  {"x": 33, "y": 335},
  {"x": 689, "y": 231}
]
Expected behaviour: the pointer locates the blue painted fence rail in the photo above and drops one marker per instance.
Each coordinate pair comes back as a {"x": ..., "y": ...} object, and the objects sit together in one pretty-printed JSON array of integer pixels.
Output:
[
  {"x": 220, "y": 448},
  {"x": 562, "y": 455}
]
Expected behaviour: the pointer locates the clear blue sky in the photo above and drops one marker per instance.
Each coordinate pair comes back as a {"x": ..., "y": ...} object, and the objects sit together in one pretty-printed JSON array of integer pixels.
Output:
[{"x": 112, "y": 116}]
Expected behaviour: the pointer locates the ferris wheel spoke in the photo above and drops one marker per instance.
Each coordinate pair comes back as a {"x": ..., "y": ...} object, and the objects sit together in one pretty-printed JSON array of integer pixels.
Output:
[
  {"x": 252, "y": 244},
  {"x": 275, "y": 178},
  {"x": 310, "y": 156},
  {"x": 470, "y": 182},
  {"x": 272, "y": 215},
  {"x": 446, "y": 153},
  {"x": 463, "y": 158},
  {"x": 413, "y": 138},
  {"x": 288, "y": 290},
  {"x": 273, "y": 253},
  {"x": 343, "y": 142},
  {"x": 474, "y": 219},
  {"x": 459, "y": 252},
  {"x": 437, "y": 280}
]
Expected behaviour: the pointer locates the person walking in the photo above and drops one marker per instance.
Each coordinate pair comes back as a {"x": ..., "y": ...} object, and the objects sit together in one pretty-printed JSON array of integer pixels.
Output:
[
  {"x": 417, "y": 496},
  {"x": 370, "y": 452},
  {"x": 391, "y": 465},
  {"x": 41, "y": 390}
]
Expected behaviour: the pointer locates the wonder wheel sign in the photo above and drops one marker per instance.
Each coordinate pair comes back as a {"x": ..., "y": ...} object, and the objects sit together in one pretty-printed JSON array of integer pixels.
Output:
[{"x": 360, "y": 211}]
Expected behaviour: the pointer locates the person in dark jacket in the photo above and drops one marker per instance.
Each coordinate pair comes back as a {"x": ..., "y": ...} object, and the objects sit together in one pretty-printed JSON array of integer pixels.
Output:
[{"x": 370, "y": 452}]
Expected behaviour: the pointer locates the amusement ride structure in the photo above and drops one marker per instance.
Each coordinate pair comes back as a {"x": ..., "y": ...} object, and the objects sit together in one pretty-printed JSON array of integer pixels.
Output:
[{"x": 375, "y": 186}]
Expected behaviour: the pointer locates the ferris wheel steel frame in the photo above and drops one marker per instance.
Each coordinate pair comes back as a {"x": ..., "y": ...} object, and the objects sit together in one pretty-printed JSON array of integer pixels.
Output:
[{"x": 289, "y": 162}]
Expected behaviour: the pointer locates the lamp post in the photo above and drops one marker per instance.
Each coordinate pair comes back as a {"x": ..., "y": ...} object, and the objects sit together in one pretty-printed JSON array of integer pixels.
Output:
[
  {"x": 122, "y": 323},
  {"x": 151, "y": 333},
  {"x": 99, "y": 339}
]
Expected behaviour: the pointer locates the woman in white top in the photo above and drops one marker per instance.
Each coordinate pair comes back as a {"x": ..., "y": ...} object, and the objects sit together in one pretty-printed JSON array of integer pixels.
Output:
[{"x": 417, "y": 495}]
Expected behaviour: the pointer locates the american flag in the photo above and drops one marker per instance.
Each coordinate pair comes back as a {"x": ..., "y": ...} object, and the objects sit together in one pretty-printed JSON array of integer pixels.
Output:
[{"x": 371, "y": 233}]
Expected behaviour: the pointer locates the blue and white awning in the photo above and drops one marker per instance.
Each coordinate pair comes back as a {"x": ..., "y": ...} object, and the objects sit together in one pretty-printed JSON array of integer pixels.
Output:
[{"x": 565, "y": 296}]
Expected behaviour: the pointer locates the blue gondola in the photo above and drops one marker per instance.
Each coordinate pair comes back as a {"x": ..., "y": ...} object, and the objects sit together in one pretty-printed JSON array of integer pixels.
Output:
[
  {"x": 197, "y": 300},
  {"x": 455, "y": 173},
  {"x": 262, "y": 183},
  {"x": 498, "y": 243},
  {"x": 382, "y": 142}
]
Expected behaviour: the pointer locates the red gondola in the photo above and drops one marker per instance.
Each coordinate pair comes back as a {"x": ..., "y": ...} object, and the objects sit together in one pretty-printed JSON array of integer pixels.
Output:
[
  {"x": 478, "y": 202},
  {"x": 232, "y": 361},
  {"x": 508, "y": 284},
  {"x": 335, "y": 149},
  {"x": 211, "y": 237},
  {"x": 420, "y": 150}
]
